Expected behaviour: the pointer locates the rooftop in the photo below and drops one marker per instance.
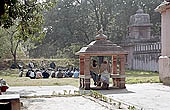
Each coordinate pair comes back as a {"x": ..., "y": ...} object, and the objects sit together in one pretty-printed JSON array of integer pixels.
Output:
[
  {"x": 163, "y": 6},
  {"x": 101, "y": 46}
]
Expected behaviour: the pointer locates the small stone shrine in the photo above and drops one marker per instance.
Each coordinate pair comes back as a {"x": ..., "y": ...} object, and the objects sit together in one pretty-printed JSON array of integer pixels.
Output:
[
  {"x": 102, "y": 47},
  {"x": 139, "y": 26},
  {"x": 144, "y": 49}
]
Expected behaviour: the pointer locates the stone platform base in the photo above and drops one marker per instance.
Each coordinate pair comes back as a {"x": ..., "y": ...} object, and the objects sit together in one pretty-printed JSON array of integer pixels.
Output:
[{"x": 164, "y": 69}]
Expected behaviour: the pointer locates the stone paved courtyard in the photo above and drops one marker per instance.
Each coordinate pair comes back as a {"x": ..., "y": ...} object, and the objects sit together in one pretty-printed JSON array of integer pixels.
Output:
[
  {"x": 61, "y": 103},
  {"x": 147, "y": 96}
]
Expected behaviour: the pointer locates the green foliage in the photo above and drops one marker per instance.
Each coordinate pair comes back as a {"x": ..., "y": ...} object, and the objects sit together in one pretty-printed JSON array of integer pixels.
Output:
[
  {"x": 4, "y": 45},
  {"x": 132, "y": 108},
  {"x": 12, "y": 10},
  {"x": 76, "y": 22},
  {"x": 6, "y": 12},
  {"x": 119, "y": 105},
  {"x": 24, "y": 21},
  {"x": 69, "y": 51}
]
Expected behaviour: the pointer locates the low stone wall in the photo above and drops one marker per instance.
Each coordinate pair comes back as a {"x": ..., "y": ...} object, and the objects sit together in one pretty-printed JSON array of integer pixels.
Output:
[{"x": 145, "y": 56}]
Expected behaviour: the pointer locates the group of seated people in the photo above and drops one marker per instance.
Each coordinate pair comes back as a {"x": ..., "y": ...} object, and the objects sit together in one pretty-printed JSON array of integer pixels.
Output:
[
  {"x": 52, "y": 72},
  {"x": 100, "y": 74},
  {"x": 47, "y": 73}
]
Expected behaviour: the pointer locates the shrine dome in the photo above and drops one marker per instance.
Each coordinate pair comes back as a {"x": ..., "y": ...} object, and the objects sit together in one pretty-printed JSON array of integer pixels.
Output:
[{"x": 140, "y": 19}]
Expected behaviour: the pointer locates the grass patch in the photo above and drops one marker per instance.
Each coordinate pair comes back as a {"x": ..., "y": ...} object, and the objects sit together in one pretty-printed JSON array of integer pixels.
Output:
[
  {"x": 141, "y": 77},
  {"x": 133, "y": 77},
  {"x": 24, "y": 81},
  {"x": 11, "y": 77}
]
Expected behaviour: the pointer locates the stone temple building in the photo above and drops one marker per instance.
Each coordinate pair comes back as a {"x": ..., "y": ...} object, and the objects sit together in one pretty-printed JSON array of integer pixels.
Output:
[{"x": 144, "y": 49}]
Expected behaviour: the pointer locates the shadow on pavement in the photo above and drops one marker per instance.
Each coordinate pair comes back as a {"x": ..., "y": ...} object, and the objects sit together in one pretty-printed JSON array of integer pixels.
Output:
[{"x": 112, "y": 91}]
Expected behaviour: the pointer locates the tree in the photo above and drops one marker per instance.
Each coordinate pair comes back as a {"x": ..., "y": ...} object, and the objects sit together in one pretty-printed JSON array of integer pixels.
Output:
[
  {"x": 4, "y": 45},
  {"x": 77, "y": 21},
  {"x": 26, "y": 22}
]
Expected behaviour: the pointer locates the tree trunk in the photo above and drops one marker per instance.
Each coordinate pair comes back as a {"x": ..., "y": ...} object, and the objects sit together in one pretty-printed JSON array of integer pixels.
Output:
[
  {"x": 15, "y": 52},
  {"x": 14, "y": 58}
]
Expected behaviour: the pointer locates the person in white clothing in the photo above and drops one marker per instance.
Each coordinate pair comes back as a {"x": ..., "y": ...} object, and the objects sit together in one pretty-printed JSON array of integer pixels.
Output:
[{"x": 105, "y": 74}]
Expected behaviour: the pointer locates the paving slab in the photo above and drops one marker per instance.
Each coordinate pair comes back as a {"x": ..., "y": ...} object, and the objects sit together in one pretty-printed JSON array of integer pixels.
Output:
[
  {"x": 149, "y": 96},
  {"x": 61, "y": 103}
]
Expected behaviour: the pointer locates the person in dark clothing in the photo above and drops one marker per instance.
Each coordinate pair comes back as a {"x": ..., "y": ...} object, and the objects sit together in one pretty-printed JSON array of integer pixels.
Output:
[
  {"x": 53, "y": 75},
  {"x": 94, "y": 72},
  {"x": 70, "y": 73},
  {"x": 28, "y": 73},
  {"x": 14, "y": 66},
  {"x": 59, "y": 74},
  {"x": 52, "y": 65},
  {"x": 45, "y": 74},
  {"x": 21, "y": 70}
]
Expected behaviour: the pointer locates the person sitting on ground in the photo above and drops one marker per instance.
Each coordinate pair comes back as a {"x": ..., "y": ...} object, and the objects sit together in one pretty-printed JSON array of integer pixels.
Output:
[
  {"x": 43, "y": 65},
  {"x": 21, "y": 70},
  {"x": 52, "y": 65},
  {"x": 53, "y": 74},
  {"x": 76, "y": 73},
  {"x": 59, "y": 74},
  {"x": 45, "y": 74},
  {"x": 66, "y": 73},
  {"x": 94, "y": 72},
  {"x": 28, "y": 73},
  {"x": 105, "y": 74},
  {"x": 31, "y": 65},
  {"x": 14, "y": 66},
  {"x": 32, "y": 74},
  {"x": 70, "y": 73},
  {"x": 38, "y": 74}
]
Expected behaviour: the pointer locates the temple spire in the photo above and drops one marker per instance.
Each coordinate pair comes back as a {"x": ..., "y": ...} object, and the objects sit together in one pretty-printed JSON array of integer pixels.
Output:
[
  {"x": 100, "y": 35},
  {"x": 100, "y": 31}
]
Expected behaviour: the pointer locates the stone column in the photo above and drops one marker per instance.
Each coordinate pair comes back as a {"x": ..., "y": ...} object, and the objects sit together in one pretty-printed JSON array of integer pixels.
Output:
[
  {"x": 121, "y": 80},
  {"x": 164, "y": 59},
  {"x": 81, "y": 71},
  {"x": 81, "y": 65},
  {"x": 122, "y": 64},
  {"x": 114, "y": 69},
  {"x": 114, "y": 64},
  {"x": 15, "y": 104},
  {"x": 87, "y": 72}
]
